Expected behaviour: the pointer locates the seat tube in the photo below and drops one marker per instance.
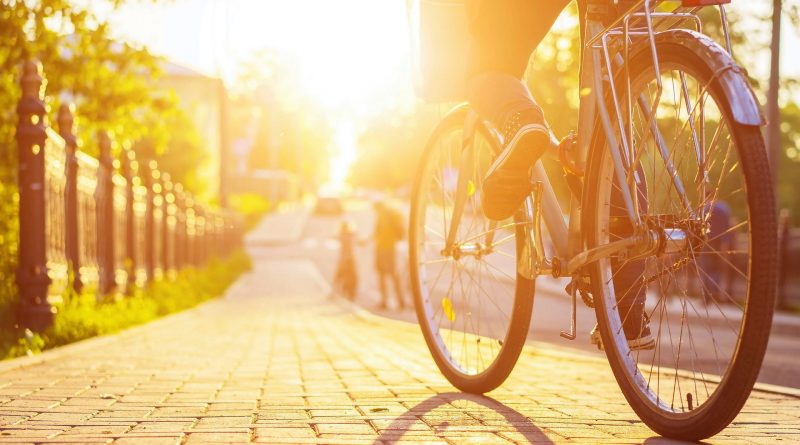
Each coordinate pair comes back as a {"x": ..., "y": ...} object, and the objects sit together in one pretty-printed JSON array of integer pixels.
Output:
[
  {"x": 466, "y": 162},
  {"x": 586, "y": 119}
]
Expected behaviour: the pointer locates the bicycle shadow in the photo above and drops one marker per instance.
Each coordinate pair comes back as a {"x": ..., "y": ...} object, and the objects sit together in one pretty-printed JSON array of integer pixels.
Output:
[
  {"x": 660, "y": 440},
  {"x": 487, "y": 407}
]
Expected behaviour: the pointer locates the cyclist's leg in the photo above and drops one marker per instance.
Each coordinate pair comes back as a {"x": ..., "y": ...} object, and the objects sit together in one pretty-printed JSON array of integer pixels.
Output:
[
  {"x": 504, "y": 34},
  {"x": 631, "y": 291}
]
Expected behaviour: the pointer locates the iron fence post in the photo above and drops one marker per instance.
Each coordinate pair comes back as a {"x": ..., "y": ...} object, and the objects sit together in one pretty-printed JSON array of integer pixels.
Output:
[
  {"x": 72, "y": 241},
  {"x": 34, "y": 311},
  {"x": 167, "y": 225},
  {"x": 146, "y": 174},
  {"x": 106, "y": 227},
  {"x": 191, "y": 230},
  {"x": 129, "y": 170},
  {"x": 180, "y": 227}
]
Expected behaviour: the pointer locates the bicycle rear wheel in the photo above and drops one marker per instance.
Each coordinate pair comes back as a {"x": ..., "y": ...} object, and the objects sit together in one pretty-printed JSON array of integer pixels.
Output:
[
  {"x": 473, "y": 307},
  {"x": 709, "y": 297}
]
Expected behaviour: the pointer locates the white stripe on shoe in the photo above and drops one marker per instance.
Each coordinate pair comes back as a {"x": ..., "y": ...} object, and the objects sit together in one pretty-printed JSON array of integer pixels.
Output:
[{"x": 523, "y": 131}]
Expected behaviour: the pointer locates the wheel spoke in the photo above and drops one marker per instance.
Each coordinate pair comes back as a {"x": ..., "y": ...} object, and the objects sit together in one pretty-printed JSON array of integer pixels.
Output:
[
  {"x": 468, "y": 288},
  {"x": 693, "y": 292}
]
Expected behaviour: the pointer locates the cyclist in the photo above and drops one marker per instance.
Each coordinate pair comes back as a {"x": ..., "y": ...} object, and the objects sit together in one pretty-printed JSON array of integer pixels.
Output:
[{"x": 504, "y": 33}]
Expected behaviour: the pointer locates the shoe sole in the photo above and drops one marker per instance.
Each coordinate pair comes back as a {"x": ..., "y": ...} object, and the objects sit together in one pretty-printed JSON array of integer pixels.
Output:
[{"x": 639, "y": 344}]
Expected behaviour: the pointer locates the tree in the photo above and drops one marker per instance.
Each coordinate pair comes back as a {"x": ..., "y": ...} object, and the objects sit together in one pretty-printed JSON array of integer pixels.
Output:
[
  {"x": 111, "y": 83},
  {"x": 773, "y": 130}
]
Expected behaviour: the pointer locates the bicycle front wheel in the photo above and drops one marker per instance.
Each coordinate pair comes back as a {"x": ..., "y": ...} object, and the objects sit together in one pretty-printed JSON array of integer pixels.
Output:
[
  {"x": 472, "y": 305},
  {"x": 701, "y": 181}
]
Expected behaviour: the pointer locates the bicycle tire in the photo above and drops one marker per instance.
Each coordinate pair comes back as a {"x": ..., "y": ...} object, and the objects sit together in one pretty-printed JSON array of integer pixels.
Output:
[
  {"x": 516, "y": 333},
  {"x": 735, "y": 385}
]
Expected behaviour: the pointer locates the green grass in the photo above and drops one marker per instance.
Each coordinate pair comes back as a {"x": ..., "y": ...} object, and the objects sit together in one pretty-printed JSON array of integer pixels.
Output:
[
  {"x": 252, "y": 207},
  {"x": 82, "y": 316}
]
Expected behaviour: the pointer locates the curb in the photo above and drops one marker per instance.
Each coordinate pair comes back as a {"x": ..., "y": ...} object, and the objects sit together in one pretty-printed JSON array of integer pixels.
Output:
[
  {"x": 102, "y": 340},
  {"x": 782, "y": 323},
  {"x": 95, "y": 342}
]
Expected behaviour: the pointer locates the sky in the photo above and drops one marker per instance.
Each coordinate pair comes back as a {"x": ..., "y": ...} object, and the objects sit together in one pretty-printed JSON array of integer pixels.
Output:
[
  {"x": 347, "y": 50},
  {"x": 351, "y": 56},
  {"x": 214, "y": 36}
]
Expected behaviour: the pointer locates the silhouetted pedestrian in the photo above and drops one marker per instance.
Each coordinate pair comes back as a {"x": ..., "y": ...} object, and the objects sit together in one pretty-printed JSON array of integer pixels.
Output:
[
  {"x": 346, "y": 279},
  {"x": 389, "y": 229}
]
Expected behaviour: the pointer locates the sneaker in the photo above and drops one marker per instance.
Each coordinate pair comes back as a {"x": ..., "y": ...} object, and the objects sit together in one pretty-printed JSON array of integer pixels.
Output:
[
  {"x": 507, "y": 182},
  {"x": 640, "y": 341}
]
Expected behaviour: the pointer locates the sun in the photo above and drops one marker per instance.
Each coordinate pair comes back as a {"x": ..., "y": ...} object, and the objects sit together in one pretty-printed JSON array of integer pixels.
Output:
[
  {"x": 343, "y": 155},
  {"x": 351, "y": 56},
  {"x": 351, "y": 59}
]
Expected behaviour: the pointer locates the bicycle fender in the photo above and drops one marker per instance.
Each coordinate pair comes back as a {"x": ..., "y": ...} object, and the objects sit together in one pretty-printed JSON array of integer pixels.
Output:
[{"x": 731, "y": 77}]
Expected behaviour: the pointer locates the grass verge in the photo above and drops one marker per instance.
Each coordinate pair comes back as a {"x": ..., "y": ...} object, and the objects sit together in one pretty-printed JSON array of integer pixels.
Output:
[{"x": 81, "y": 316}]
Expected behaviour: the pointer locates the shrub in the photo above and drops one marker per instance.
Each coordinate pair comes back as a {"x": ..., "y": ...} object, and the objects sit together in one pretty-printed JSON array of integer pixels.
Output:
[{"x": 81, "y": 316}]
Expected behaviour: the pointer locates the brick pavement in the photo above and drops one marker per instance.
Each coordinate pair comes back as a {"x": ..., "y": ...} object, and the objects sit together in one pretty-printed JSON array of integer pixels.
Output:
[{"x": 276, "y": 362}]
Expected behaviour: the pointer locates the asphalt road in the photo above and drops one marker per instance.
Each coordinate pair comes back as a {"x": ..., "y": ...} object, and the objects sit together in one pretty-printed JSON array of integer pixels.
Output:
[{"x": 551, "y": 309}]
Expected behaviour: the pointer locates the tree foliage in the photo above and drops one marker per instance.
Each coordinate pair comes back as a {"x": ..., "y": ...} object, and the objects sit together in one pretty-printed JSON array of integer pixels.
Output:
[
  {"x": 113, "y": 84},
  {"x": 113, "y": 87}
]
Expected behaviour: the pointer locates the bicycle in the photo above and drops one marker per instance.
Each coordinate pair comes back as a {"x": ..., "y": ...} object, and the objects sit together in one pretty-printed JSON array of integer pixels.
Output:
[{"x": 668, "y": 126}]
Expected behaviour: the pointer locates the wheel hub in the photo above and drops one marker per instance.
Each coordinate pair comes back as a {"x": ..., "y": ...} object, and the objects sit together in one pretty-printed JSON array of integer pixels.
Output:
[{"x": 466, "y": 249}]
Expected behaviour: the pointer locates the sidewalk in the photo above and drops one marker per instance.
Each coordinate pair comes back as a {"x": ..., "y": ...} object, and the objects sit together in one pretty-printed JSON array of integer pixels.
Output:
[
  {"x": 284, "y": 226},
  {"x": 277, "y": 362}
]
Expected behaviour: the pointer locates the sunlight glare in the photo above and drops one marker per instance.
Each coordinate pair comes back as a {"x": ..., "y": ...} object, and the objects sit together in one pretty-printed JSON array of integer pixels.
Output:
[
  {"x": 350, "y": 55},
  {"x": 343, "y": 155}
]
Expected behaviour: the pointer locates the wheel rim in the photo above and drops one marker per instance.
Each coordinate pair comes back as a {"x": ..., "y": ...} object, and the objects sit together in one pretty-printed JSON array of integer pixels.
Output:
[
  {"x": 697, "y": 291},
  {"x": 466, "y": 295}
]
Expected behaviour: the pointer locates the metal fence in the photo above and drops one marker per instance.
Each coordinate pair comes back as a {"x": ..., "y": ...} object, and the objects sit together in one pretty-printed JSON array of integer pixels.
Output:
[{"x": 99, "y": 225}]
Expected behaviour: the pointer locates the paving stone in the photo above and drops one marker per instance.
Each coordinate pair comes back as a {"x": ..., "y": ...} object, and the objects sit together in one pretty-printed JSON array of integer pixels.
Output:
[{"x": 277, "y": 362}]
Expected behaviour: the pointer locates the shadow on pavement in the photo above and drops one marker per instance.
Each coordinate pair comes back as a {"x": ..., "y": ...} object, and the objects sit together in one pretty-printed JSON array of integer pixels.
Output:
[
  {"x": 658, "y": 440},
  {"x": 475, "y": 410}
]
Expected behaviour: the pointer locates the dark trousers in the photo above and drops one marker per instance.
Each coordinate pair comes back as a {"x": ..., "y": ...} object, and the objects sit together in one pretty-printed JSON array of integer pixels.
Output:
[{"x": 506, "y": 32}]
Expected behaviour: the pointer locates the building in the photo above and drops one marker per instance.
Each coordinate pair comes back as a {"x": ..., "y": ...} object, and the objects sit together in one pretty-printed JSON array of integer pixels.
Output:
[{"x": 203, "y": 98}]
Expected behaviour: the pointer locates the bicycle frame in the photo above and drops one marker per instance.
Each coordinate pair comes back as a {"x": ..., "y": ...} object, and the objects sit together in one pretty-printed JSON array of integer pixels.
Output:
[
  {"x": 637, "y": 208},
  {"x": 598, "y": 60}
]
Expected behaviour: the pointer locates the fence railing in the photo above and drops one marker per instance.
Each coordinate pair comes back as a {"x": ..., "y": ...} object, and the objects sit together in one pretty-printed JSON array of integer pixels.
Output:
[{"x": 99, "y": 225}]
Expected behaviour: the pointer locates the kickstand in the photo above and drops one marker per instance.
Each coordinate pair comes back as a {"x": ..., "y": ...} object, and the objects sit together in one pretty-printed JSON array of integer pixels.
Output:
[{"x": 572, "y": 328}]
